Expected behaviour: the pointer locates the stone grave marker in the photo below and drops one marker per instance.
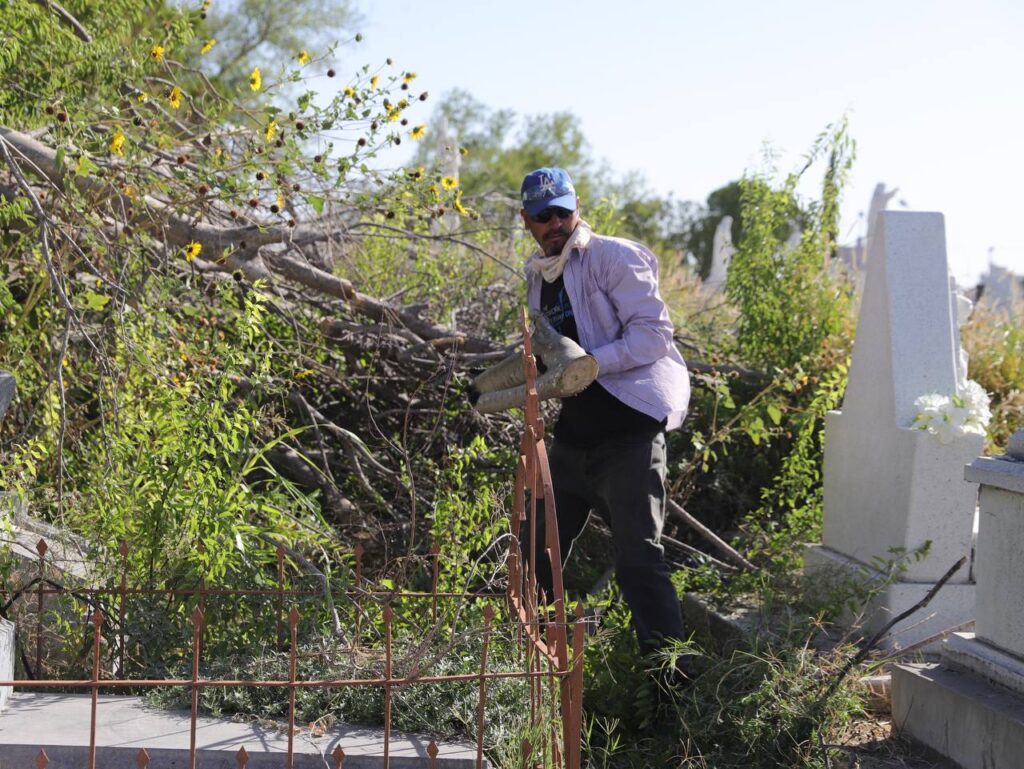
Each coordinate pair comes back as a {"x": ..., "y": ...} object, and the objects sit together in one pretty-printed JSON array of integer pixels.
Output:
[{"x": 890, "y": 488}]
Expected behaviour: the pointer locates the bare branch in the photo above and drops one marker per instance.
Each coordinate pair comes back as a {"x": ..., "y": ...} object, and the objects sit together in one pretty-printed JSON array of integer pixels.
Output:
[
  {"x": 67, "y": 18},
  {"x": 321, "y": 578},
  {"x": 710, "y": 536}
]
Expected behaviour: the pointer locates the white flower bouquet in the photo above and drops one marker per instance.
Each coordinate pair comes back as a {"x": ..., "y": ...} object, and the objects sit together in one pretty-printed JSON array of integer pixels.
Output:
[{"x": 950, "y": 416}]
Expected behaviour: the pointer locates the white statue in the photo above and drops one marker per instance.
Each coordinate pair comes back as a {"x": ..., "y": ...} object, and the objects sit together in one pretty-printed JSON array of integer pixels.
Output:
[
  {"x": 722, "y": 250},
  {"x": 960, "y": 307},
  {"x": 448, "y": 155},
  {"x": 879, "y": 202}
]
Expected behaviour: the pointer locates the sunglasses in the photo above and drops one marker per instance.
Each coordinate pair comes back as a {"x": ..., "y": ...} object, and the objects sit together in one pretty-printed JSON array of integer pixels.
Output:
[{"x": 545, "y": 216}]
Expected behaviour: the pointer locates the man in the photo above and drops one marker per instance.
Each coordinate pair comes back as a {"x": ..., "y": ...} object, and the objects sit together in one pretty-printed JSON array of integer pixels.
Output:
[{"x": 608, "y": 449}]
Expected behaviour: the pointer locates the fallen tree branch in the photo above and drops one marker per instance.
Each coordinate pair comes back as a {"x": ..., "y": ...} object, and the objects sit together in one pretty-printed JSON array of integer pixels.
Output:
[
  {"x": 311, "y": 568},
  {"x": 859, "y": 657},
  {"x": 710, "y": 536},
  {"x": 745, "y": 374},
  {"x": 696, "y": 553},
  {"x": 67, "y": 18},
  {"x": 300, "y": 470},
  {"x": 237, "y": 246},
  {"x": 406, "y": 234}
]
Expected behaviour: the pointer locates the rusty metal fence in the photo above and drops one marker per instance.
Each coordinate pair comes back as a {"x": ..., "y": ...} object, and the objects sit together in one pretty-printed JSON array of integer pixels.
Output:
[{"x": 549, "y": 642}]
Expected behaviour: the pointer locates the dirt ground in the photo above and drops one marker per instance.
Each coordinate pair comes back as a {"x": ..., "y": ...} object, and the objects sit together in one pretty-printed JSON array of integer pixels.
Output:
[{"x": 873, "y": 743}]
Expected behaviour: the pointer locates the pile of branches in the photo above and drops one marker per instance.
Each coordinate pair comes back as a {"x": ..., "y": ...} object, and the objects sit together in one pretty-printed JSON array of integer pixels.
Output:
[{"x": 385, "y": 385}]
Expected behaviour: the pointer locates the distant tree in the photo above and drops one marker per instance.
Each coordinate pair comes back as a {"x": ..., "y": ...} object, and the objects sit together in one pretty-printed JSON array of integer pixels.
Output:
[
  {"x": 249, "y": 32},
  {"x": 498, "y": 147},
  {"x": 699, "y": 235},
  {"x": 662, "y": 222}
]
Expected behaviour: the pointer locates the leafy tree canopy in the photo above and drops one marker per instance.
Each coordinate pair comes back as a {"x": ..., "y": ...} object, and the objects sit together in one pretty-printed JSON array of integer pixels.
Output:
[
  {"x": 496, "y": 148},
  {"x": 248, "y": 32}
]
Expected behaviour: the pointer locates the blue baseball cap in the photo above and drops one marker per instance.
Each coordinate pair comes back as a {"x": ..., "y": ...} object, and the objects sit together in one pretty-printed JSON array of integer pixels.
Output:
[{"x": 547, "y": 187}]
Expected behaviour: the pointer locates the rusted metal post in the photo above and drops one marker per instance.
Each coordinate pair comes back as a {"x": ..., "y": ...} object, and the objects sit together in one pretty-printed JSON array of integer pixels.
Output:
[
  {"x": 432, "y": 754},
  {"x": 573, "y": 730},
  {"x": 293, "y": 658},
  {"x": 97, "y": 621},
  {"x": 197, "y": 643},
  {"x": 358, "y": 592},
  {"x": 142, "y": 759},
  {"x": 42, "y": 759},
  {"x": 41, "y": 548},
  {"x": 241, "y": 758},
  {"x": 201, "y": 549},
  {"x": 435, "y": 555},
  {"x": 339, "y": 757},
  {"x": 556, "y": 752},
  {"x": 488, "y": 616},
  {"x": 122, "y": 609},
  {"x": 280, "y": 595},
  {"x": 388, "y": 617}
]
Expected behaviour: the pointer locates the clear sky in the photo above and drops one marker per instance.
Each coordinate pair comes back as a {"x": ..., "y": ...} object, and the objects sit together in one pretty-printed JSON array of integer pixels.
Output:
[{"x": 688, "y": 93}]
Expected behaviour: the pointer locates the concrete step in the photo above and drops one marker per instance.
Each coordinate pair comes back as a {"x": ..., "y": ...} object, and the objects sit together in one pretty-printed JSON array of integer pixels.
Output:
[
  {"x": 59, "y": 724},
  {"x": 959, "y": 715}
]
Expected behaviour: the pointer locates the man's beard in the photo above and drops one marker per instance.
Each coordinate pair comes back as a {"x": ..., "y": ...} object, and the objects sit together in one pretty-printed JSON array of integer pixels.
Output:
[{"x": 556, "y": 249}]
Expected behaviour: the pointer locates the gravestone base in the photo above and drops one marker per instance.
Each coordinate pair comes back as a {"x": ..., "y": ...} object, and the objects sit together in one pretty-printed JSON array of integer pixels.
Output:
[
  {"x": 959, "y": 715},
  {"x": 833, "y": 574},
  {"x": 966, "y": 653}
]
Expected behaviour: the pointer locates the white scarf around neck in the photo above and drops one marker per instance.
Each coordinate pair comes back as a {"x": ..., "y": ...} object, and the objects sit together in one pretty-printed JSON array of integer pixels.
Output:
[{"x": 551, "y": 267}]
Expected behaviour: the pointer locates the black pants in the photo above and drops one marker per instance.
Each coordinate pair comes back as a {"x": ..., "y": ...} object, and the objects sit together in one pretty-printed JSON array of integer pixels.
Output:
[{"x": 623, "y": 480}]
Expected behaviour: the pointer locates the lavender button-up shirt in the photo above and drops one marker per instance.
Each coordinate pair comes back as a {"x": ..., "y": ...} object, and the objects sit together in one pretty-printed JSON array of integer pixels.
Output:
[{"x": 622, "y": 321}]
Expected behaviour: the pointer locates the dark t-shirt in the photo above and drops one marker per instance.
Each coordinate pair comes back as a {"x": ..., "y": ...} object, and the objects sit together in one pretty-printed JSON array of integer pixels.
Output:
[{"x": 593, "y": 415}]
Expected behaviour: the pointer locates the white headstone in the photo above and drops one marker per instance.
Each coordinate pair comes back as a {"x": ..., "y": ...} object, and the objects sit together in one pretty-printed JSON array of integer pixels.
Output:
[
  {"x": 1000, "y": 571},
  {"x": 968, "y": 706},
  {"x": 904, "y": 346},
  {"x": 887, "y": 486},
  {"x": 1001, "y": 288}
]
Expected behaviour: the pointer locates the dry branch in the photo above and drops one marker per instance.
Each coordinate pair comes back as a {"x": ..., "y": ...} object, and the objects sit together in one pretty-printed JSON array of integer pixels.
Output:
[
  {"x": 67, "y": 18},
  {"x": 325, "y": 587},
  {"x": 302, "y": 471},
  {"x": 238, "y": 245},
  {"x": 710, "y": 536},
  {"x": 873, "y": 641}
]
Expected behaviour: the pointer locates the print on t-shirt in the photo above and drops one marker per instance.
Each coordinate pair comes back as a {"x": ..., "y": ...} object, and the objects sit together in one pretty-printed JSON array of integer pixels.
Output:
[{"x": 560, "y": 310}]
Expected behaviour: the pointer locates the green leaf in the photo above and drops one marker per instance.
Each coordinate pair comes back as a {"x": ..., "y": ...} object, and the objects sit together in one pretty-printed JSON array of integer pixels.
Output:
[
  {"x": 84, "y": 166},
  {"x": 317, "y": 202},
  {"x": 94, "y": 301},
  {"x": 774, "y": 413}
]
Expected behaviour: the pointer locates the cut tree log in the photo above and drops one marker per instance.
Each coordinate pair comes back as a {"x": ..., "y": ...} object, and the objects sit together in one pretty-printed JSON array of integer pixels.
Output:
[{"x": 568, "y": 370}]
